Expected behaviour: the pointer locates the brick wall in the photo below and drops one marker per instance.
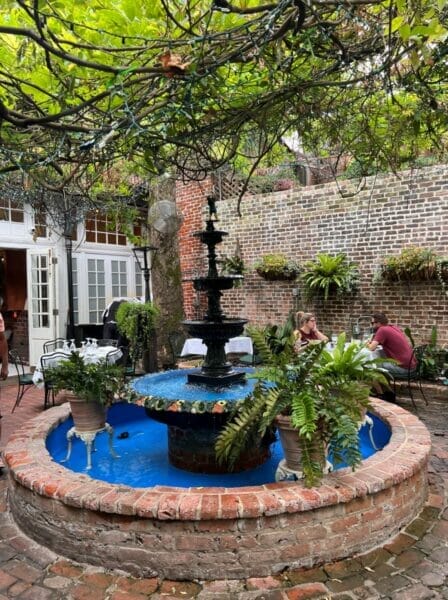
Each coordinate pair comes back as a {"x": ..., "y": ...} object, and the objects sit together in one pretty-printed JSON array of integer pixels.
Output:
[
  {"x": 17, "y": 321},
  {"x": 388, "y": 214}
]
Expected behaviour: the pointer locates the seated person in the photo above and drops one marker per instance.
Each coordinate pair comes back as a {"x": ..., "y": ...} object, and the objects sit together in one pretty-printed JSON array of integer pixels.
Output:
[
  {"x": 307, "y": 328},
  {"x": 395, "y": 345}
]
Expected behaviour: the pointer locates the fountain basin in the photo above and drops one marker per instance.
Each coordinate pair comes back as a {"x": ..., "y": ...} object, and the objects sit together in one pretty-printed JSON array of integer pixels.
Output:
[
  {"x": 217, "y": 533},
  {"x": 194, "y": 414}
]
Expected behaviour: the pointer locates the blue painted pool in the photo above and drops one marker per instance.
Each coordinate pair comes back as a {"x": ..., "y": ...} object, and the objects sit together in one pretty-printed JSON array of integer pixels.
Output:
[{"x": 143, "y": 454}]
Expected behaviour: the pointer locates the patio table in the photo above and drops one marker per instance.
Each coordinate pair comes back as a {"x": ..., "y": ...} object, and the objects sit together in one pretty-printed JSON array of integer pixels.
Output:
[
  {"x": 90, "y": 355},
  {"x": 237, "y": 345}
]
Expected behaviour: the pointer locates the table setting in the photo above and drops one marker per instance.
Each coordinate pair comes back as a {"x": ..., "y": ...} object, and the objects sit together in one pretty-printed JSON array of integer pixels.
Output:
[{"x": 89, "y": 350}]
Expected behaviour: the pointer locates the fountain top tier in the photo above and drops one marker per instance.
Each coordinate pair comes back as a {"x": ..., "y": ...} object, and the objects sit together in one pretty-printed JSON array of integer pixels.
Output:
[{"x": 215, "y": 329}]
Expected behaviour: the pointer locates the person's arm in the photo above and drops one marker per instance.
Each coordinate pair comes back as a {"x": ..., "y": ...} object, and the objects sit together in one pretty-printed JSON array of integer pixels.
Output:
[
  {"x": 321, "y": 336},
  {"x": 3, "y": 356},
  {"x": 378, "y": 339},
  {"x": 372, "y": 345}
]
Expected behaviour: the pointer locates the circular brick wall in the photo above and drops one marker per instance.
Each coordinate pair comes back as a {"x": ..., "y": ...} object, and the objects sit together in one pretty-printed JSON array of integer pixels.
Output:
[{"x": 217, "y": 533}]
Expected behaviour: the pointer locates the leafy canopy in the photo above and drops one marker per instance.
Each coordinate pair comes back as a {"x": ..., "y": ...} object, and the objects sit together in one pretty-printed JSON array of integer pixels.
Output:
[{"x": 192, "y": 85}]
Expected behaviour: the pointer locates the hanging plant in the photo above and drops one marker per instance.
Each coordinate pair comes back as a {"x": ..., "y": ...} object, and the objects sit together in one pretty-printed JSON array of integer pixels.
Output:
[
  {"x": 233, "y": 265},
  {"x": 329, "y": 274},
  {"x": 277, "y": 267},
  {"x": 415, "y": 264},
  {"x": 136, "y": 322},
  {"x": 412, "y": 264}
]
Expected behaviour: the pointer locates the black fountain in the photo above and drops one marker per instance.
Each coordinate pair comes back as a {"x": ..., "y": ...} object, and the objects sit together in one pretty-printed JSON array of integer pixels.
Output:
[
  {"x": 215, "y": 329},
  {"x": 196, "y": 403}
]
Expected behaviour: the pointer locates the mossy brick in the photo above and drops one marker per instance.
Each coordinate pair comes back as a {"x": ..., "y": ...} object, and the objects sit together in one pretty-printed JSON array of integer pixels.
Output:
[
  {"x": 343, "y": 585},
  {"x": 408, "y": 558},
  {"x": 417, "y": 528},
  {"x": 306, "y": 575},
  {"x": 399, "y": 543}
]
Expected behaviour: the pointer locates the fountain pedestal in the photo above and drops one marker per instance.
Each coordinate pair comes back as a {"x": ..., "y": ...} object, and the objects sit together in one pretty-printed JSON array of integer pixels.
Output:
[{"x": 193, "y": 450}]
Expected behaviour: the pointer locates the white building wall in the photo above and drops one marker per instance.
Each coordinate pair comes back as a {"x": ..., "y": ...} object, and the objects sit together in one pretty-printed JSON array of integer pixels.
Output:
[{"x": 19, "y": 236}]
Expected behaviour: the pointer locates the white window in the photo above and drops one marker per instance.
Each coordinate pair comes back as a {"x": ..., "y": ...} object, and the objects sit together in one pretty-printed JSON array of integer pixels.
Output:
[
  {"x": 138, "y": 280},
  {"x": 96, "y": 283},
  {"x": 119, "y": 278},
  {"x": 101, "y": 230},
  {"x": 98, "y": 279},
  {"x": 11, "y": 210},
  {"x": 40, "y": 291}
]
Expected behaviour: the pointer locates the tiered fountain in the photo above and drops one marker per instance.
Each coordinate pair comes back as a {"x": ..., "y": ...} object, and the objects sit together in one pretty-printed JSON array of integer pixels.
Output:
[
  {"x": 215, "y": 329},
  {"x": 195, "y": 404}
]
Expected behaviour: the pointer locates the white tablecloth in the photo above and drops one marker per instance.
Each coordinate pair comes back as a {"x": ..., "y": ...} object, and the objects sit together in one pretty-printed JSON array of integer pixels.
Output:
[
  {"x": 236, "y": 345},
  {"x": 377, "y": 353},
  {"x": 91, "y": 355}
]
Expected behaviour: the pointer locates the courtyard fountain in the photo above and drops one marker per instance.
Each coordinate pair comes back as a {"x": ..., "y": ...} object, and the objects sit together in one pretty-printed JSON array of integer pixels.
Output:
[
  {"x": 195, "y": 404},
  {"x": 186, "y": 531}
]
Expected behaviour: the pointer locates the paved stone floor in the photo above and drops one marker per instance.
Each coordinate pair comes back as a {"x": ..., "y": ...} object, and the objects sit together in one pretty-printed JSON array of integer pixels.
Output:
[{"x": 412, "y": 566}]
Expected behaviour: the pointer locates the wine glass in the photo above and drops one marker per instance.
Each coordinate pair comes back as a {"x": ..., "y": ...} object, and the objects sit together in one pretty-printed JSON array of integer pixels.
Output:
[
  {"x": 65, "y": 346},
  {"x": 72, "y": 345}
]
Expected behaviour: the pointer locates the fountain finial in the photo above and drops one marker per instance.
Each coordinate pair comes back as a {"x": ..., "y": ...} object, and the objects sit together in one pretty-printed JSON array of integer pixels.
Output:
[{"x": 213, "y": 213}]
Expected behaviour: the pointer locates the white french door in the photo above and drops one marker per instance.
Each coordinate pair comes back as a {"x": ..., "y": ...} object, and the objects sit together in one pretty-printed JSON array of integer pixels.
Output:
[{"x": 41, "y": 294}]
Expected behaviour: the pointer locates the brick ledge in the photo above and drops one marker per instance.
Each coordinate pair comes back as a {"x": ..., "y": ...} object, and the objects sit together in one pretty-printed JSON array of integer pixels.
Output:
[{"x": 30, "y": 465}]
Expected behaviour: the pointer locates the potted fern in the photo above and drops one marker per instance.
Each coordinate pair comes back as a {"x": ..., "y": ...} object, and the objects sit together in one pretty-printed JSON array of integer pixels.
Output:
[
  {"x": 329, "y": 274},
  {"x": 322, "y": 396},
  {"x": 88, "y": 387}
]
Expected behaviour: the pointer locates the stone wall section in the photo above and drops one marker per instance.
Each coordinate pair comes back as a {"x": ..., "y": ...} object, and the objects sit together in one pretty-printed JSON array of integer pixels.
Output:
[{"x": 389, "y": 213}]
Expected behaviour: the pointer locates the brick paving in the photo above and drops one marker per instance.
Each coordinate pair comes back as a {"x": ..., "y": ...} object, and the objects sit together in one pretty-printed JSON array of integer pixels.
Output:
[{"x": 411, "y": 566}]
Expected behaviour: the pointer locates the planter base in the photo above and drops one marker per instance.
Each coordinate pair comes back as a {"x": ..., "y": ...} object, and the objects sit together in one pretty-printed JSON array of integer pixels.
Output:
[{"x": 88, "y": 437}]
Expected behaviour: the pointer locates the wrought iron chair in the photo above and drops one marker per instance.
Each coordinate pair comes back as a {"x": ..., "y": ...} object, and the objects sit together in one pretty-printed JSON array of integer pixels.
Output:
[
  {"x": 24, "y": 380},
  {"x": 47, "y": 361},
  {"x": 415, "y": 374},
  {"x": 250, "y": 360},
  {"x": 53, "y": 345},
  {"x": 114, "y": 356},
  {"x": 128, "y": 361}
]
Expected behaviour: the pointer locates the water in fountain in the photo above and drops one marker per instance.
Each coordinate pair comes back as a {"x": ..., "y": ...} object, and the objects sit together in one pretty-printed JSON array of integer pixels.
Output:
[{"x": 141, "y": 444}]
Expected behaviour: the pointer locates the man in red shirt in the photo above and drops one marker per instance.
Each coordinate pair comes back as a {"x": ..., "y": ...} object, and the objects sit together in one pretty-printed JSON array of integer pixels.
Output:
[{"x": 395, "y": 345}]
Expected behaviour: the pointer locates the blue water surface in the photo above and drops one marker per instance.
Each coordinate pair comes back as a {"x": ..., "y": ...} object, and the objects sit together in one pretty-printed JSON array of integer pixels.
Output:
[
  {"x": 143, "y": 454},
  {"x": 172, "y": 385}
]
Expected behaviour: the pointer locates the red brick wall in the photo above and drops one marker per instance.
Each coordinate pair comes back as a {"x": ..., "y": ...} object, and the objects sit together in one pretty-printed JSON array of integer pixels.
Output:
[
  {"x": 388, "y": 214},
  {"x": 17, "y": 320},
  {"x": 189, "y": 199}
]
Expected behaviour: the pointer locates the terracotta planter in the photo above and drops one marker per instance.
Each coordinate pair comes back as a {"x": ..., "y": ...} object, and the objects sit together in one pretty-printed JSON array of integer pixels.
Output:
[
  {"x": 87, "y": 416},
  {"x": 289, "y": 440}
]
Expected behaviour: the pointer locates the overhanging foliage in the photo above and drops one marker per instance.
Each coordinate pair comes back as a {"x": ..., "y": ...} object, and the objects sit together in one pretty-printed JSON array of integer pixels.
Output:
[{"x": 191, "y": 85}]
